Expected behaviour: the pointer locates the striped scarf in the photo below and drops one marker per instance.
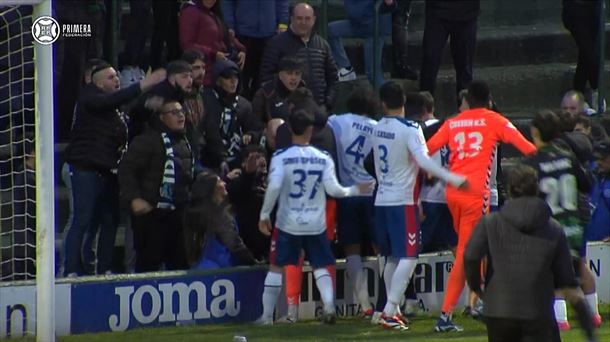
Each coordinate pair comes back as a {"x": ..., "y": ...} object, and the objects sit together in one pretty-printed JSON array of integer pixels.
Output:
[{"x": 166, "y": 191}]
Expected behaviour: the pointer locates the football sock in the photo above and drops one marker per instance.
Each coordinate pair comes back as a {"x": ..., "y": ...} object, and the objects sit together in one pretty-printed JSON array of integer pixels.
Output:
[
  {"x": 273, "y": 287},
  {"x": 388, "y": 273},
  {"x": 325, "y": 286},
  {"x": 561, "y": 312},
  {"x": 358, "y": 281},
  {"x": 592, "y": 301},
  {"x": 294, "y": 279},
  {"x": 400, "y": 279}
]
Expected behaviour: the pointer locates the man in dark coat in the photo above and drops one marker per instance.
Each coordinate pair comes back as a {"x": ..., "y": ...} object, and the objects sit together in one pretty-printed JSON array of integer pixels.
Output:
[
  {"x": 528, "y": 258},
  {"x": 155, "y": 178},
  {"x": 99, "y": 138},
  {"x": 299, "y": 40}
]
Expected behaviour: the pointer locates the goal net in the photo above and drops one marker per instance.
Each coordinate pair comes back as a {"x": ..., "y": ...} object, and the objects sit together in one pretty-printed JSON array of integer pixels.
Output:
[{"x": 26, "y": 195}]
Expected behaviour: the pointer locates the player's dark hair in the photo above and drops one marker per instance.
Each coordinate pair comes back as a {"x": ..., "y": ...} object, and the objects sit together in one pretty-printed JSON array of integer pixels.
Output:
[
  {"x": 547, "y": 123},
  {"x": 192, "y": 55},
  {"x": 300, "y": 120},
  {"x": 478, "y": 95},
  {"x": 522, "y": 181},
  {"x": 392, "y": 94},
  {"x": 363, "y": 101},
  {"x": 178, "y": 67},
  {"x": 291, "y": 64},
  {"x": 428, "y": 100},
  {"x": 583, "y": 120},
  {"x": 567, "y": 121},
  {"x": 415, "y": 106}
]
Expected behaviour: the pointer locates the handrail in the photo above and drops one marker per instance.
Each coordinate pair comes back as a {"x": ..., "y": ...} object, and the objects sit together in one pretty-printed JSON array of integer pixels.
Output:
[
  {"x": 376, "y": 43},
  {"x": 323, "y": 29}
]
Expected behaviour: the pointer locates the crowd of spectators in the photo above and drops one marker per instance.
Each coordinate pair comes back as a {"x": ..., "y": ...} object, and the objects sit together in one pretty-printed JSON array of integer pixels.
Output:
[{"x": 193, "y": 140}]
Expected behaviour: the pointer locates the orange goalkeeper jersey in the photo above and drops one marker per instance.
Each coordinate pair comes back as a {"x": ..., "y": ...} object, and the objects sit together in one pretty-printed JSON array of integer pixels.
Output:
[{"x": 472, "y": 137}]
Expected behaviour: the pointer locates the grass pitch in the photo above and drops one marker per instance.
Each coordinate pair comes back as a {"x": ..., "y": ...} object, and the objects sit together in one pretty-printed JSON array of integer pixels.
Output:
[{"x": 350, "y": 329}]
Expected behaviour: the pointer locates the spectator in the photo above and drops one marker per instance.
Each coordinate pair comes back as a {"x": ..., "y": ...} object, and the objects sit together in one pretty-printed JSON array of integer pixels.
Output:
[
  {"x": 299, "y": 41},
  {"x": 176, "y": 86},
  {"x": 246, "y": 188},
  {"x": 359, "y": 24},
  {"x": 202, "y": 27},
  {"x": 165, "y": 32},
  {"x": 99, "y": 138},
  {"x": 573, "y": 102},
  {"x": 456, "y": 20},
  {"x": 254, "y": 22},
  {"x": 400, "y": 23},
  {"x": 519, "y": 286},
  {"x": 322, "y": 136},
  {"x": 593, "y": 129},
  {"x": 18, "y": 259},
  {"x": 228, "y": 119},
  {"x": 270, "y": 102},
  {"x": 155, "y": 178},
  {"x": 582, "y": 18},
  {"x": 193, "y": 103},
  {"x": 599, "y": 227},
  {"x": 211, "y": 234},
  {"x": 133, "y": 55}
]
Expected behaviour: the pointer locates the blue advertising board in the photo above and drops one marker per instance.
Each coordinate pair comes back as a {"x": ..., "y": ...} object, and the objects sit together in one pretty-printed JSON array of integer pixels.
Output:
[{"x": 188, "y": 299}]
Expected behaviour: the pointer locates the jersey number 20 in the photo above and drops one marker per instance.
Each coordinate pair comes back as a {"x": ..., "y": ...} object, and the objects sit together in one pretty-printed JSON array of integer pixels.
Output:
[{"x": 561, "y": 194}]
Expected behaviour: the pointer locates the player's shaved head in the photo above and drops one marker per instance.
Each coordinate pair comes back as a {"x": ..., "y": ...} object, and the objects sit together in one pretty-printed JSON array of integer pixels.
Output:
[{"x": 478, "y": 95}]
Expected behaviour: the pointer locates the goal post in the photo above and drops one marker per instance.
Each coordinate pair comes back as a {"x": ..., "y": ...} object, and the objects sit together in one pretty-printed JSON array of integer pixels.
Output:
[{"x": 45, "y": 187}]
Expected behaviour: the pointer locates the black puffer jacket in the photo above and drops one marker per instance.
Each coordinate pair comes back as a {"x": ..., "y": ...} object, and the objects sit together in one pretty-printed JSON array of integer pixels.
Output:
[
  {"x": 528, "y": 258},
  {"x": 270, "y": 101},
  {"x": 142, "y": 167},
  {"x": 99, "y": 134},
  {"x": 321, "y": 71}
]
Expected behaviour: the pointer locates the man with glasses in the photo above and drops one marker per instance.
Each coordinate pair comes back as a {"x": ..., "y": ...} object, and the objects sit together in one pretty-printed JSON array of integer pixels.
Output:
[{"x": 155, "y": 176}]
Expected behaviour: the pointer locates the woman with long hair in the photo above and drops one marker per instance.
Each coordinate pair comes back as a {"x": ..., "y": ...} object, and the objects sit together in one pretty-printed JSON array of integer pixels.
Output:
[{"x": 210, "y": 230}]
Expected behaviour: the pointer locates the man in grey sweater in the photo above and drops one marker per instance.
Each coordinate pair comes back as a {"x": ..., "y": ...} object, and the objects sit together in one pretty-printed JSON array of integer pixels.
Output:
[{"x": 528, "y": 258}]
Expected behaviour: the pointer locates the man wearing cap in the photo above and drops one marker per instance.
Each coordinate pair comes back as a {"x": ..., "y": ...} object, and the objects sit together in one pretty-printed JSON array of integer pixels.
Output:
[
  {"x": 228, "y": 119},
  {"x": 98, "y": 141}
]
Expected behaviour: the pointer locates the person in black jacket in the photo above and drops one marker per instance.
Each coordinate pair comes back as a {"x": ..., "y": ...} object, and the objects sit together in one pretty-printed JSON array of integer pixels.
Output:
[
  {"x": 155, "y": 178},
  {"x": 99, "y": 138},
  {"x": 444, "y": 19},
  {"x": 270, "y": 101},
  {"x": 528, "y": 258},
  {"x": 228, "y": 119},
  {"x": 299, "y": 40}
]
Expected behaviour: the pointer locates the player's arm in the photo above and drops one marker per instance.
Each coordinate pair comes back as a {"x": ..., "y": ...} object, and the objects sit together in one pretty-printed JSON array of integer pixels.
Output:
[
  {"x": 274, "y": 185},
  {"x": 332, "y": 186},
  {"x": 509, "y": 134},
  {"x": 476, "y": 250},
  {"x": 439, "y": 139},
  {"x": 417, "y": 146}
]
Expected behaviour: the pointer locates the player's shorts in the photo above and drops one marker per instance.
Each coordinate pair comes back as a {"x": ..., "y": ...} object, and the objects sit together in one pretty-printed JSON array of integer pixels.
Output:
[
  {"x": 356, "y": 221},
  {"x": 286, "y": 249},
  {"x": 437, "y": 231},
  {"x": 494, "y": 208},
  {"x": 398, "y": 228},
  {"x": 331, "y": 218}
]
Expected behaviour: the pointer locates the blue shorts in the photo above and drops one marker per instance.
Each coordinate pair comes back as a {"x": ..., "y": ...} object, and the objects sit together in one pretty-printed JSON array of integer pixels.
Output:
[
  {"x": 398, "y": 228},
  {"x": 437, "y": 232},
  {"x": 494, "y": 208},
  {"x": 355, "y": 220},
  {"x": 286, "y": 249}
]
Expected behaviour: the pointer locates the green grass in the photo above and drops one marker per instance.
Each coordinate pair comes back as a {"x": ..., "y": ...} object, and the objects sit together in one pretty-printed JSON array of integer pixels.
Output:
[{"x": 351, "y": 329}]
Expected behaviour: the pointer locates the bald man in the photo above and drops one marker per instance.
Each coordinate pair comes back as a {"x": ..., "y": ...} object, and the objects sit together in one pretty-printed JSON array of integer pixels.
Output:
[
  {"x": 300, "y": 41},
  {"x": 574, "y": 103}
]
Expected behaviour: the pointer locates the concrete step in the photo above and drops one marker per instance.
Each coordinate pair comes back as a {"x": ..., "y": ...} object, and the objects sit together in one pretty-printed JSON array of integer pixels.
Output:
[{"x": 516, "y": 89}]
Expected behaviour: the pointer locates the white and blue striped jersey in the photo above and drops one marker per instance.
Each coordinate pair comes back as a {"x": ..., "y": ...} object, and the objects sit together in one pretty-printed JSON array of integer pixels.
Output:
[
  {"x": 353, "y": 135},
  {"x": 299, "y": 178},
  {"x": 399, "y": 149},
  {"x": 435, "y": 193}
]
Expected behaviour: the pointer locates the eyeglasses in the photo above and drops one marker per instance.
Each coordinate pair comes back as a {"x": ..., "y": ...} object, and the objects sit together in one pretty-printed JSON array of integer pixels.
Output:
[{"x": 175, "y": 112}]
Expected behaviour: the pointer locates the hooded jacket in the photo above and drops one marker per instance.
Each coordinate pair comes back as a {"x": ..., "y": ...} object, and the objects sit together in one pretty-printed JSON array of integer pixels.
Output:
[
  {"x": 223, "y": 134},
  {"x": 255, "y": 18},
  {"x": 528, "y": 258}
]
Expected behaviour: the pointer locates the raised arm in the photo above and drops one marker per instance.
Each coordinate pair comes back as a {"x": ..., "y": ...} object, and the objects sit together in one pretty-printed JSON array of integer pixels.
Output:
[
  {"x": 417, "y": 147},
  {"x": 331, "y": 184},
  {"x": 509, "y": 134}
]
